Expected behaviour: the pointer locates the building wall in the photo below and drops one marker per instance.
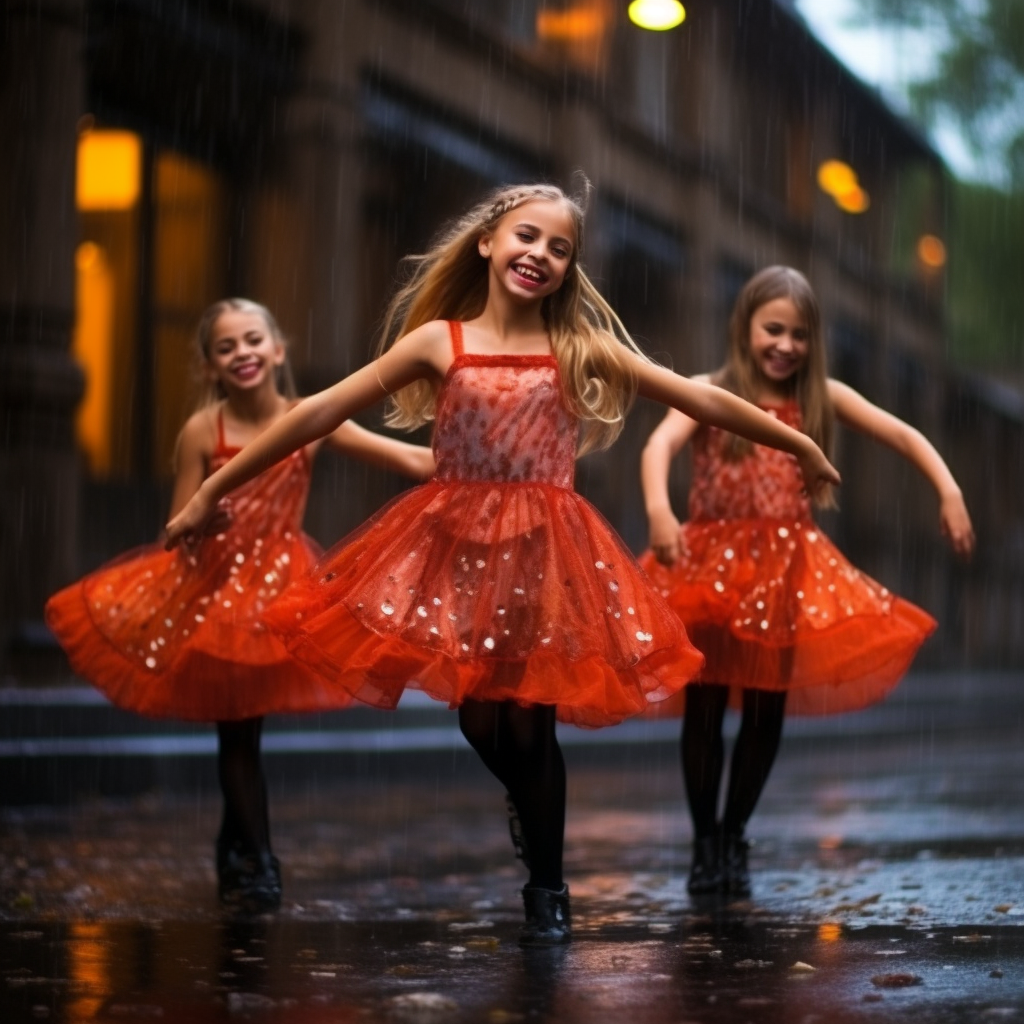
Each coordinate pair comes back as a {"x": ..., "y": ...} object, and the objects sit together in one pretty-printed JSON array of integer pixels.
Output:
[{"x": 371, "y": 123}]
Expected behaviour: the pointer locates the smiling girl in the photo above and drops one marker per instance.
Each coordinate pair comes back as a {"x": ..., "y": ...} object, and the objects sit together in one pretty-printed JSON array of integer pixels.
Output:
[
  {"x": 784, "y": 621},
  {"x": 495, "y": 587},
  {"x": 181, "y": 634}
]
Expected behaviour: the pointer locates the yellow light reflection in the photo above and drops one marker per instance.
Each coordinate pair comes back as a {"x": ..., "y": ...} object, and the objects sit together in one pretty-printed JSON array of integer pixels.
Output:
[
  {"x": 574, "y": 23},
  {"x": 88, "y": 969},
  {"x": 829, "y": 931},
  {"x": 109, "y": 170},
  {"x": 931, "y": 251},
  {"x": 92, "y": 347},
  {"x": 657, "y": 15}
]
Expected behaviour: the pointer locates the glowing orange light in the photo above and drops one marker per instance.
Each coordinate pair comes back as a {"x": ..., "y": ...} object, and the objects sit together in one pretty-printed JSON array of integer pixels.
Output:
[
  {"x": 830, "y": 842},
  {"x": 835, "y": 177},
  {"x": 839, "y": 180},
  {"x": 829, "y": 931},
  {"x": 854, "y": 201},
  {"x": 89, "y": 968},
  {"x": 931, "y": 251},
  {"x": 92, "y": 346},
  {"x": 574, "y": 23},
  {"x": 109, "y": 170},
  {"x": 657, "y": 15}
]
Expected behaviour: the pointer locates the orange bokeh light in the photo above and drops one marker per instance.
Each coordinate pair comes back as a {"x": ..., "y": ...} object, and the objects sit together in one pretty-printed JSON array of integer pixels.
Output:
[
  {"x": 839, "y": 180},
  {"x": 854, "y": 201},
  {"x": 931, "y": 251},
  {"x": 835, "y": 177},
  {"x": 582, "y": 22}
]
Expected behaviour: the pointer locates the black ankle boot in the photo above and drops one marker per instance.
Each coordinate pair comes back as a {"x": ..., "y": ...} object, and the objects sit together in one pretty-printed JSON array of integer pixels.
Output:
[
  {"x": 548, "y": 918},
  {"x": 262, "y": 890},
  {"x": 734, "y": 865},
  {"x": 706, "y": 875},
  {"x": 250, "y": 882},
  {"x": 515, "y": 831}
]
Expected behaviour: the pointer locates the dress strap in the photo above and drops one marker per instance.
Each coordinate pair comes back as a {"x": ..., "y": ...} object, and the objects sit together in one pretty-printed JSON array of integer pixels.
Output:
[
  {"x": 455, "y": 328},
  {"x": 220, "y": 428}
]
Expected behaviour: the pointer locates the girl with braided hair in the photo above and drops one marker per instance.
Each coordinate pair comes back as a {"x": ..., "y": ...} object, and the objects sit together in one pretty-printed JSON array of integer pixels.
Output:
[{"x": 495, "y": 587}]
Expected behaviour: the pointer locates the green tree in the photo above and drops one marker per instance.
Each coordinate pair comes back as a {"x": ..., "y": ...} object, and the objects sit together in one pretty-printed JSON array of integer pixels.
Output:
[{"x": 977, "y": 88}]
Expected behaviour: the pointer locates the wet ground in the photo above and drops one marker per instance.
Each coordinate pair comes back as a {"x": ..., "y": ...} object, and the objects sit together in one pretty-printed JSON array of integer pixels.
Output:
[{"x": 889, "y": 886}]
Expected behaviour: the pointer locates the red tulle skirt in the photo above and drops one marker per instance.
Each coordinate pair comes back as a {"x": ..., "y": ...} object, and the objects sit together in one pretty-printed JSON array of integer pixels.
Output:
[
  {"x": 489, "y": 591},
  {"x": 177, "y": 635},
  {"x": 775, "y": 606}
]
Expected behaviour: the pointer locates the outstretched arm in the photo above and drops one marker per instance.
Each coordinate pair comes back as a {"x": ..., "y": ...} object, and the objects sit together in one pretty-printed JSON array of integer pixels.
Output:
[
  {"x": 720, "y": 408},
  {"x": 412, "y": 460},
  {"x": 854, "y": 410},
  {"x": 419, "y": 354},
  {"x": 666, "y": 441}
]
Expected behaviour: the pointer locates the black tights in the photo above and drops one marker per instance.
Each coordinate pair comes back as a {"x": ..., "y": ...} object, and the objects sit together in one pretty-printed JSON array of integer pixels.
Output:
[
  {"x": 519, "y": 747},
  {"x": 703, "y": 754},
  {"x": 245, "y": 822}
]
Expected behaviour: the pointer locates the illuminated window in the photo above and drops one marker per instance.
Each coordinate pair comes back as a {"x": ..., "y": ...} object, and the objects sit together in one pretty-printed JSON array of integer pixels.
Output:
[
  {"x": 161, "y": 215},
  {"x": 109, "y": 170},
  {"x": 93, "y": 349},
  {"x": 189, "y": 262}
]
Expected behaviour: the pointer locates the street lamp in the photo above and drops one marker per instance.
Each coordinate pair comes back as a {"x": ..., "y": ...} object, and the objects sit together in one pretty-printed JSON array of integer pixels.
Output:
[{"x": 656, "y": 15}]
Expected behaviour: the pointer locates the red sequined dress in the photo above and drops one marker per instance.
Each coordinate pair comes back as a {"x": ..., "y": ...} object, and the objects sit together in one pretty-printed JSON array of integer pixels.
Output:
[
  {"x": 180, "y": 633},
  {"x": 495, "y": 580},
  {"x": 769, "y": 599}
]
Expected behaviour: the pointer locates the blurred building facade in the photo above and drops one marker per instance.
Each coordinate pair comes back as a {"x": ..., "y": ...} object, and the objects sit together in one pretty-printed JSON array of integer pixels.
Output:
[{"x": 166, "y": 154}]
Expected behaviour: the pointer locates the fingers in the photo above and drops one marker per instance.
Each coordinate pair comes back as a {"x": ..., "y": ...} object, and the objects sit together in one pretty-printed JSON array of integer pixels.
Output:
[{"x": 667, "y": 554}]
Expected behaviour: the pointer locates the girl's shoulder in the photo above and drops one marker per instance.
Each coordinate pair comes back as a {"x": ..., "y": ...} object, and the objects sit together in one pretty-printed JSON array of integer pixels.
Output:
[
  {"x": 200, "y": 431},
  {"x": 431, "y": 345}
]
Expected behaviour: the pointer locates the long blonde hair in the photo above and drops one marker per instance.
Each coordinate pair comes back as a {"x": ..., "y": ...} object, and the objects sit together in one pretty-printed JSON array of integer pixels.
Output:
[
  {"x": 450, "y": 281},
  {"x": 210, "y": 392},
  {"x": 808, "y": 386}
]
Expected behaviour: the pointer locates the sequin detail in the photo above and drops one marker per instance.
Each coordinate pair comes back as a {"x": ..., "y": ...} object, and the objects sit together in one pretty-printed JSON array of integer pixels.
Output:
[
  {"x": 181, "y": 633},
  {"x": 769, "y": 599},
  {"x": 519, "y": 589}
]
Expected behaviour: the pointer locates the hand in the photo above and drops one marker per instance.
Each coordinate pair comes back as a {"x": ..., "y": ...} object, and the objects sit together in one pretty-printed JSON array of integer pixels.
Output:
[
  {"x": 665, "y": 541},
  {"x": 221, "y": 519},
  {"x": 817, "y": 471},
  {"x": 191, "y": 522},
  {"x": 955, "y": 523}
]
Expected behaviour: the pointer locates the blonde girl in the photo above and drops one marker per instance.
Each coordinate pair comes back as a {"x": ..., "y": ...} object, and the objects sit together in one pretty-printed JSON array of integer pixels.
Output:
[
  {"x": 180, "y": 634},
  {"x": 495, "y": 587},
  {"x": 782, "y": 618}
]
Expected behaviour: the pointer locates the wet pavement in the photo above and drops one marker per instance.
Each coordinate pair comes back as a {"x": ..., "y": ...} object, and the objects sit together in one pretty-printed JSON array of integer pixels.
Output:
[{"x": 888, "y": 871}]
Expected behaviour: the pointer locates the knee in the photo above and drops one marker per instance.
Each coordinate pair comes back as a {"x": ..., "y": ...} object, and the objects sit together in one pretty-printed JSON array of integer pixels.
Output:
[{"x": 478, "y": 723}]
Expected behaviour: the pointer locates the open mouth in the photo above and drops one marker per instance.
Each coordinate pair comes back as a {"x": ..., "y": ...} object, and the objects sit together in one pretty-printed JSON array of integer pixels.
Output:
[
  {"x": 529, "y": 275},
  {"x": 781, "y": 364},
  {"x": 246, "y": 371}
]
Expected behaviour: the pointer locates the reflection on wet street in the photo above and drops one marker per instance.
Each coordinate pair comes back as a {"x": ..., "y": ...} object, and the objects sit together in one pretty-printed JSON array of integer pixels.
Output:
[
  {"x": 888, "y": 885},
  {"x": 722, "y": 966}
]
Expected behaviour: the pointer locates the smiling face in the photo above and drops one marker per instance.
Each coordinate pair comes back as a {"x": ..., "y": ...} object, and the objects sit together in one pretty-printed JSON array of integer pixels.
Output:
[
  {"x": 530, "y": 249},
  {"x": 243, "y": 352},
  {"x": 779, "y": 343}
]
